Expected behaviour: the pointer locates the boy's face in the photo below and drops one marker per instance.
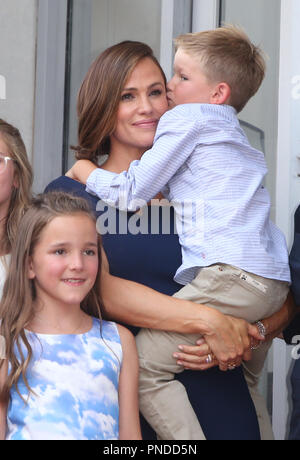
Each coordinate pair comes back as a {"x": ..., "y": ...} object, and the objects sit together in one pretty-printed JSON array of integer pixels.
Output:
[{"x": 189, "y": 84}]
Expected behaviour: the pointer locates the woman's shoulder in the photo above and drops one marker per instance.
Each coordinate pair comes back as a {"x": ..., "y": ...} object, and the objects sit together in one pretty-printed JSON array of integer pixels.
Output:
[{"x": 64, "y": 183}]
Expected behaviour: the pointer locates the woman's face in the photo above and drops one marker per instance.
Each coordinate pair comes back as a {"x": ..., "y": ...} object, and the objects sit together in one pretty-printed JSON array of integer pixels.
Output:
[
  {"x": 143, "y": 102},
  {"x": 7, "y": 177}
]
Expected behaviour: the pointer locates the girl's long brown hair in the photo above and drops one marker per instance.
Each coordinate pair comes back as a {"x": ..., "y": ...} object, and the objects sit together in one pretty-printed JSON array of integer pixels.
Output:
[
  {"x": 100, "y": 95},
  {"x": 17, "y": 305},
  {"x": 21, "y": 195}
]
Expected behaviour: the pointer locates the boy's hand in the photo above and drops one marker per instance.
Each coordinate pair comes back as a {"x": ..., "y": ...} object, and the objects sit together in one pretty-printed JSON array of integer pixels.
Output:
[{"x": 81, "y": 170}]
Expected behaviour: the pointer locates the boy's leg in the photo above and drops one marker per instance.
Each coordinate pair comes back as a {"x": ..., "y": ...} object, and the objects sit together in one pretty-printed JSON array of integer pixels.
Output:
[
  {"x": 163, "y": 401},
  {"x": 222, "y": 287},
  {"x": 252, "y": 371}
]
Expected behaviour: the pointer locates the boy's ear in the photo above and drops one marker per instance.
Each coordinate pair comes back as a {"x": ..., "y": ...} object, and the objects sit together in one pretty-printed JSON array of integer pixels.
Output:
[{"x": 221, "y": 93}]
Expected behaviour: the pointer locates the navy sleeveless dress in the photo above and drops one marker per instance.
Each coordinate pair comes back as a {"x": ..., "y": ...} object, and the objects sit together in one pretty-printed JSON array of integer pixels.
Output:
[{"x": 221, "y": 400}]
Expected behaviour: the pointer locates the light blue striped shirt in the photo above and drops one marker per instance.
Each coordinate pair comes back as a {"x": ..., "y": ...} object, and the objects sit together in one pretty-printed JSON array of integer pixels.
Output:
[{"x": 202, "y": 161}]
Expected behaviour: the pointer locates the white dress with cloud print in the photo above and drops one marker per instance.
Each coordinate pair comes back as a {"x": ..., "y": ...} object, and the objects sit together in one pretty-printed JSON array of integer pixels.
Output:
[{"x": 75, "y": 383}]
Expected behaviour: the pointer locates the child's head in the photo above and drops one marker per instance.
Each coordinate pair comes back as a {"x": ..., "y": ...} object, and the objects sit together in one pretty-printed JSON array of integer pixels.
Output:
[
  {"x": 15, "y": 181},
  {"x": 210, "y": 58},
  {"x": 101, "y": 93},
  {"x": 59, "y": 220},
  {"x": 56, "y": 256}
]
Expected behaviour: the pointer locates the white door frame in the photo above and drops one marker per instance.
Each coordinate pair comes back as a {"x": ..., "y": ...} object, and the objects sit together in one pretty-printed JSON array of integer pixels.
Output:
[
  {"x": 50, "y": 88},
  {"x": 166, "y": 37},
  {"x": 205, "y": 14},
  {"x": 286, "y": 200}
]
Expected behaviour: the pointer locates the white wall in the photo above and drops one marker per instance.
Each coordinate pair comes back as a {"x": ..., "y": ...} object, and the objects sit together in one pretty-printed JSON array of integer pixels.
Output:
[
  {"x": 17, "y": 64},
  {"x": 261, "y": 21},
  {"x": 115, "y": 20},
  {"x": 98, "y": 24}
]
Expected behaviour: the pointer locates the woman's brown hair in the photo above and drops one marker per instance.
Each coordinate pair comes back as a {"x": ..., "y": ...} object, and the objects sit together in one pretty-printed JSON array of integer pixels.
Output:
[{"x": 100, "y": 95}]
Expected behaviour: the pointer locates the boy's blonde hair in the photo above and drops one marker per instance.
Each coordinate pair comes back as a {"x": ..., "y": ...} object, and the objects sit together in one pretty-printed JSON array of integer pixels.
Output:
[{"x": 227, "y": 55}]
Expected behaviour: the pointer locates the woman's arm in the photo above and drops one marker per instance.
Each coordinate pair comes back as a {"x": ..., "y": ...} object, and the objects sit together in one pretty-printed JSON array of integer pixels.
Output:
[
  {"x": 129, "y": 421},
  {"x": 194, "y": 357},
  {"x": 137, "y": 305}
]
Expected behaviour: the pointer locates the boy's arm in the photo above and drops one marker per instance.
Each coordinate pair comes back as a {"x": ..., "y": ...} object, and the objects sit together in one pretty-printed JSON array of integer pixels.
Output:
[
  {"x": 81, "y": 170},
  {"x": 175, "y": 140},
  {"x": 129, "y": 421}
]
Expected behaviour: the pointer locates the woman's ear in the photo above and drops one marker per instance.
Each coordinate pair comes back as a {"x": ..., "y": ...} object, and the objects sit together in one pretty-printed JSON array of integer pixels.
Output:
[
  {"x": 221, "y": 94},
  {"x": 16, "y": 183},
  {"x": 31, "y": 273}
]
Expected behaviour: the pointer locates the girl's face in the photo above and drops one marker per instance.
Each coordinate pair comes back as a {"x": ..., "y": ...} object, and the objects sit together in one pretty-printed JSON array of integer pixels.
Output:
[
  {"x": 7, "y": 176},
  {"x": 143, "y": 102},
  {"x": 64, "y": 263}
]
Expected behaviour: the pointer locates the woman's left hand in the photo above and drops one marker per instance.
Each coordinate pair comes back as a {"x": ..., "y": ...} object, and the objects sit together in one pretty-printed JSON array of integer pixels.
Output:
[{"x": 197, "y": 357}]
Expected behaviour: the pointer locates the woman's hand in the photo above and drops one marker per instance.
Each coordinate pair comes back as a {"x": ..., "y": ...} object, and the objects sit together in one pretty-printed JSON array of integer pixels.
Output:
[
  {"x": 198, "y": 357},
  {"x": 230, "y": 339},
  {"x": 195, "y": 357}
]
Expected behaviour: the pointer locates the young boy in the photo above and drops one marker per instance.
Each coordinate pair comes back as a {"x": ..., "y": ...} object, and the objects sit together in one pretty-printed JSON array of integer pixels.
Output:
[{"x": 233, "y": 257}]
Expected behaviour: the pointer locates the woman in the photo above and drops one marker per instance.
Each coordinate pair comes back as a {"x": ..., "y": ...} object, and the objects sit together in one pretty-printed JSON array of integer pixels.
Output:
[
  {"x": 118, "y": 117},
  {"x": 15, "y": 189}
]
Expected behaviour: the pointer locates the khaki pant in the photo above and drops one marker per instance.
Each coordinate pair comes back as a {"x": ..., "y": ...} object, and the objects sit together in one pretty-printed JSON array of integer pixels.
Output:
[{"x": 163, "y": 400}]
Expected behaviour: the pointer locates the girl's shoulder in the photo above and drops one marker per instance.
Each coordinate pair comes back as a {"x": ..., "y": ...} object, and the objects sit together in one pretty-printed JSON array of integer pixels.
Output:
[
  {"x": 115, "y": 333},
  {"x": 127, "y": 340},
  {"x": 109, "y": 331}
]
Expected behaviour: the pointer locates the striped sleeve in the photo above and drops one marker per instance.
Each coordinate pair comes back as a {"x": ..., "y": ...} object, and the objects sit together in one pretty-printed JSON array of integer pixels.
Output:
[{"x": 175, "y": 140}]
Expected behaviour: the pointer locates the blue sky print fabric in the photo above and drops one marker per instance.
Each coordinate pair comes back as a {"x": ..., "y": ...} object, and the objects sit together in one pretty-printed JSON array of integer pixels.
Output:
[{"x": 75, "y": 379}]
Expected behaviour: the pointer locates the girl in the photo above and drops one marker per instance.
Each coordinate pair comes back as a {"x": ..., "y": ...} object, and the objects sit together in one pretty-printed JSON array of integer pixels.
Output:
[{"x": 67, "y": 375}]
